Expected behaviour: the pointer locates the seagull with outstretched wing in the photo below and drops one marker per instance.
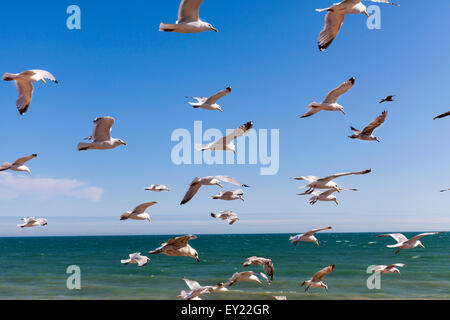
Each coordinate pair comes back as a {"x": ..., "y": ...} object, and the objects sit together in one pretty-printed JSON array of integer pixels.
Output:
[
  {"x": 442, "y": 115},
  {"x": 316, "y": 280},
  {"x": 24, "y": 85},
  {"x": 211, "y": 102},
  {"x": 101, "y": 138},
  {"x": 226, "y": 143},
  {"x": 330, "y": 102},
  {"x": 367, "y": 133},
  {"x": 405, "y": 243},
  {"x": 188, "y": 19},
  {"x": 18, "y": 165},
  {"x": 335, "y": 17}
]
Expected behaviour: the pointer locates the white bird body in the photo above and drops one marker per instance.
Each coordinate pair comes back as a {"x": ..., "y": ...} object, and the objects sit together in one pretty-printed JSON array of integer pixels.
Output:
[
  {"x": 330, "y": 101},
  {"x": 405, "y": 243},
  {"x": 136, "y": 258},
  {"x": 211, "y": 102},
  {"x": 24, "y": 85},
  {"x": 230, "y": 195},
  {"x": 195, "y": 185},
  {"x": 178, "y": 247},
  {"x": 33, "y": 222},
  {"x": 388, "y": 269},
  {"x": 101, "y": 138},
  {"x": 197, "y": 290},
  {"x": 316, "y": 280},
  {"x": 139, "y": 212},
  {"x": 18, "y": 165},
  {"x": 188, "y": 19},
  {"x": 307, "y": 236},
  {"x": 226, "y": 215},
  {"x": 324, "y": 196},
  {"x": 326, "y": 182},
  {"x": 157, "y": 188}
]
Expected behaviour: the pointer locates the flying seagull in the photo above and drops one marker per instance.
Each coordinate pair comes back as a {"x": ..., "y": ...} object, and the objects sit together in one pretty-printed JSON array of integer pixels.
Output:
[
  {"x": 324, "y": 196},
  {"x": 139, "y": 212},
  {"x": 178, "y": 247},
  {"x": 442, "y": 115},
  {"x": 367, "y": 133},
  {"x": 405, "y": 243},
  {"x": 257, "y": 261},
  {"x": 245, "y": 276},
  {"x": 101, "y": 138},
  {"x": 226, "y": 143},
  {"x": 196, "y": 290},
  {"x": 18, "y": 165},
  {"x": 188, "y": 19},
  {"x": 335, "y": 17},
  {"x": 24, "y": 85},
  {"x": 388, "y": 269},
  {"x": 33, "y": 222},
  {"x": 388, "y": 99},
  {"x": 307, "y": 236},
  {"x": 157, "y": 188},
  {"x": 208, "y": 181},
  {"x": 228, "y": 215},
  {"x": 330, "y": 102},
  {"x": 230, "y": 195},
  {"x": 316, "y": 280},
  {"x": 445, "y": 190},
  {"x": 211, "y": 102},
  {"x": 136, "y": 258},
  {"x": 327, "y": 182}
]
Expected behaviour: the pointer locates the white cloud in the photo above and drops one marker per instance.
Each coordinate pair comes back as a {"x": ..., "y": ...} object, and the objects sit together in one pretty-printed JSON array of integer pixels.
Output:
[{"x": 13, "y": 186}]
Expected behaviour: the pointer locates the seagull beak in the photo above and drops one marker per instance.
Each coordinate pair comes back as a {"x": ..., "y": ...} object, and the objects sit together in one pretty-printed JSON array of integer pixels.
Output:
[
  {"x": 343, "y": 112},
  {"x": 367, "y": 14},
  {"x": 242, "y": 199},
  {"x": 44, "y": 81},
  {"x": 336, "y": 202},
  {"x": 220, "y": 110},
  {"x": 234, "y": 152},
  {"x": 149, "y": 220},
  {"x": 338, "y": 190},
  {"x": 220, "y": 185},
  {"x": 422, "y": 245},
  {"x": 214, "y": 29},
  {"x": 124, "y": 143}
]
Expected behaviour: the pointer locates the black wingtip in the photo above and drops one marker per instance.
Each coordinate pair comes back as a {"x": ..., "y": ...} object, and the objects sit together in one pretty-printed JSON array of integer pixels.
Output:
[
  {"x": 229, "y": 89},
  {"x": 246, "y": 186},
  {"x": 352, "y": 80}
]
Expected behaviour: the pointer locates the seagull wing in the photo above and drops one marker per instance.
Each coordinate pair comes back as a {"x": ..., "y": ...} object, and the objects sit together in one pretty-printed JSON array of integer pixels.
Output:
[
  {"x": 102, "y": 128},
  {"x": 395, "y": 265},
  {"x": 442, "y": 115},
  {"x": 332, "y": 25},
  {"x": 193, "y": 189},
  {"x": 193, "y": 285},
  {"x": 268, "y": 268},
  {"x": 21, "y": 161},
  {"x": 231, "y": 180},
  {"x": 25, "y": 91},
  {"x": 188, "y": 10},
  {"x": 311, "y": 232},
  {"x": 142, "y": 207},
  {"x": 337, "y": 175},
  {"x": 45, "y": 74},
  {"x": 307, "y": 178},
  {"x": 375, "y": 124},
  {"x": 334, "y": 95},
  {"x": 242, "y": 130},
  {"x": 417, "y": 237},
  {"x": 322, "y": 273},
  {"x": 181, "y": 241},
  {"x": 385, "y": 1},
  {"x": 213, "y": 99},
  {"x": 397, "y": 237}
]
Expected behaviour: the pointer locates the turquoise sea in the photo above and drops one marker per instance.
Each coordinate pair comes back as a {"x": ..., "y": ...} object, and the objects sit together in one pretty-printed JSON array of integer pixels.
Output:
[{"x": 35, "y": 268}]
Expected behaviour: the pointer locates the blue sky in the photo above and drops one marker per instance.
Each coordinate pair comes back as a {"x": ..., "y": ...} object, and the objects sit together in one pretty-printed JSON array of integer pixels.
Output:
[{"x": 119, "y": 65}]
